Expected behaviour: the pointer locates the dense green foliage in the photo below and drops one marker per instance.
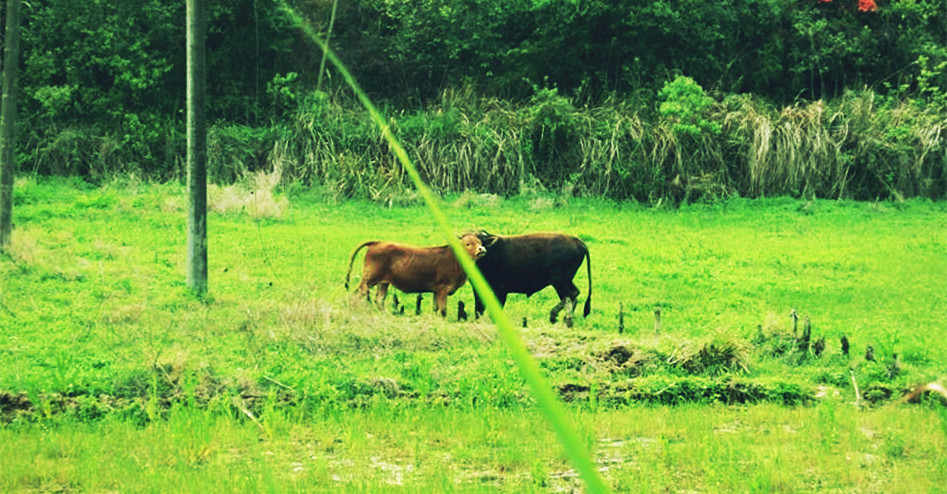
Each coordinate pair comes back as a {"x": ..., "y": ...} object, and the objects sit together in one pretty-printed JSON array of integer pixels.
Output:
[
  {"x": 561, "y": 94},
  {"x": 779, "y": 49}
]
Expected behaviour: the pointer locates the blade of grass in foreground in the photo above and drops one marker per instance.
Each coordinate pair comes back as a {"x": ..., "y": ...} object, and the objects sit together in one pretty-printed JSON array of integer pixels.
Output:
[{"x": 547, "y": 401}]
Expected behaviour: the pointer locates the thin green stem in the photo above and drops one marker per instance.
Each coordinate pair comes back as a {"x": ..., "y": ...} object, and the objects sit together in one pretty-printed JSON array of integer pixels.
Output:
[{"x": 541, "y": 390}]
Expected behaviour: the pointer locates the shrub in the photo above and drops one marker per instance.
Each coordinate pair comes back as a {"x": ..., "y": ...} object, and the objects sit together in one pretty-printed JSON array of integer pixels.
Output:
[{"x": 685, "y": 104}]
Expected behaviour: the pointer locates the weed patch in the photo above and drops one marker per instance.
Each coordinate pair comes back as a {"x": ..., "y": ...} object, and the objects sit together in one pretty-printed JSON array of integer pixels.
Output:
[{"x": 255, "y": 196}]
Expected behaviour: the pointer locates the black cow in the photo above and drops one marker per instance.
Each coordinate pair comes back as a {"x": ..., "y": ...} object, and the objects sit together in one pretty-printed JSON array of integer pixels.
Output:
[{"x": 529, "y": 263}]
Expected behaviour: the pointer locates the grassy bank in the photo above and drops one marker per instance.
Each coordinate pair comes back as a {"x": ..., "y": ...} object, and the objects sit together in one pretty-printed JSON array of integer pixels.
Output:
[
  {"x": 831, "y": 447},
  {"x": 101, "y": 339}
]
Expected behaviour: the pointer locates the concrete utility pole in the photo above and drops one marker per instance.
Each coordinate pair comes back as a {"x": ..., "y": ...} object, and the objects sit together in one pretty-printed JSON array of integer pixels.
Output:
[
  {"x": 11, "y": 55},
  {"x": 196, "y": 150}
]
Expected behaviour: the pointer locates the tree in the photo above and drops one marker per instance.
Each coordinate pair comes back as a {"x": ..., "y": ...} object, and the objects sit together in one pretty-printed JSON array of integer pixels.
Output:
[
  {"x": 7, "y": 120},
  {"x": 196, "y": 150}
]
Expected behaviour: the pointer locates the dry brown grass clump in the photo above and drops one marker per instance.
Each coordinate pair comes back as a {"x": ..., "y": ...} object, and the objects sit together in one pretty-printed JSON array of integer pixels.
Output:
[
  {"x": 716, "y": 356},
  {"x": 254, "y": 196}
]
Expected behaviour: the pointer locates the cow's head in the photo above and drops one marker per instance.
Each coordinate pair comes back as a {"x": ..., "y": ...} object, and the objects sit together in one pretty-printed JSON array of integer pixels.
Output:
[
  {"x": 473, "y": 245},
  {"x": 487, "y": 239}
]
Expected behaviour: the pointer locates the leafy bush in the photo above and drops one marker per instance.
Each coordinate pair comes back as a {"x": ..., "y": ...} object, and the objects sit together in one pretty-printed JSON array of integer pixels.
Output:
[
  {"x": 685, "y": 104},
  {"x": 552, "y": 131}
]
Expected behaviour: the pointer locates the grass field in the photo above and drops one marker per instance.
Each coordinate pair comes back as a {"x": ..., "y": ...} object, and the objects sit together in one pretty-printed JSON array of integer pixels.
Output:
[{"x": 112, "y": 377}]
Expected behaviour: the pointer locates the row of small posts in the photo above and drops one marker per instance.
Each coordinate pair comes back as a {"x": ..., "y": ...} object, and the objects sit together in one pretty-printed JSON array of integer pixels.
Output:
[{"x": 621, "y": 319}]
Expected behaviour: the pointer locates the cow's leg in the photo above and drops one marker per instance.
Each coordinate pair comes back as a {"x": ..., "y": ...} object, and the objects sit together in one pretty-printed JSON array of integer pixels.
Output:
[
  {"x": 570, "y": 308},
  {"x": 380, "y": 295},
  {"x": 440, "y": 302},
  {"x": 554, "y": 313},
  {"x": 370, "y": 278},
  {"x": 478, "y": 302},
  {"x": 568, "y": 294},
  {"x": 361, "y": 292}
]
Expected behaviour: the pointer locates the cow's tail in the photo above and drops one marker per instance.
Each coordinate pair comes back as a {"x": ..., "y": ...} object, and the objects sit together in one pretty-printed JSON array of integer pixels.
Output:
[
  {"x": 588, "y": 267},
  {"x": 352, "y": 260}
]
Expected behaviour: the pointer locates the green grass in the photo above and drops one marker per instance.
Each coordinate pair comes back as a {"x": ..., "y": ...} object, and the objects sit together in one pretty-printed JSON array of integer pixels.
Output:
[
  {"x": 831, "y": 447},
  {"x": 112, "y": 375}
]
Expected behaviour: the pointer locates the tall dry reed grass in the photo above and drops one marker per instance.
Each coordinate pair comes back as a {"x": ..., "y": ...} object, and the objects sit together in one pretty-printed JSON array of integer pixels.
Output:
[{"x": 853, "y": 147}]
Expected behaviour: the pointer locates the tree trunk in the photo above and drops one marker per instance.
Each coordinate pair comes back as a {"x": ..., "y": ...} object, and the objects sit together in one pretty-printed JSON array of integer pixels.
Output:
[
  {"x": 7, "y": 120},
  {"x": 196, "y": 150}
]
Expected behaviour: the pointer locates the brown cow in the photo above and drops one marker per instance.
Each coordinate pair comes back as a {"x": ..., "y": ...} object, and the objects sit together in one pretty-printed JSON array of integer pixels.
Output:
[{"x": 413, "y": 269}]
